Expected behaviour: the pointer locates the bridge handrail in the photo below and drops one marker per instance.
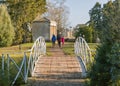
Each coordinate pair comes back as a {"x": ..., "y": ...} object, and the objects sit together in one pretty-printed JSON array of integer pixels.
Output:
[
  {"x": 38, "y": 49},
  {"x": 83, "y": 51},
  {"x": 11, "y": 60}
]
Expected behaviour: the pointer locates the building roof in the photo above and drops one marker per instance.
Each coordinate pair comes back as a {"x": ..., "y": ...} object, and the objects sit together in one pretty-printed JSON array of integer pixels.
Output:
[{"x": 44, "y": 19}]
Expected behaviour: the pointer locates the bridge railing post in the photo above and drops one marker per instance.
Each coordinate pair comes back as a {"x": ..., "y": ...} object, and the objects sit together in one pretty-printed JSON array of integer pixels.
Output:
[
  {"x": 25, "y": 67},
  {"x": 3, "y": 64},
  {"x": 8, "y": 66}
]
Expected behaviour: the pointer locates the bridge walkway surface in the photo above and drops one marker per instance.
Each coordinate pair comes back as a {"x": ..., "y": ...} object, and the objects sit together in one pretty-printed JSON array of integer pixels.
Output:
[{"x": 57, "y": 69}]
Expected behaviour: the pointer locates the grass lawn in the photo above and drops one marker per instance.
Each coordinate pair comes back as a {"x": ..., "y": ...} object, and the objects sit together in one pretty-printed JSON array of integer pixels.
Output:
[
  {"x": 16, "y": 49},
  {"x": 68, "y": 48}
]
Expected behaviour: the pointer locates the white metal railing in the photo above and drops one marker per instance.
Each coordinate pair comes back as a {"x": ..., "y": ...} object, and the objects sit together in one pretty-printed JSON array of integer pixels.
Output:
[
  {"x": 83, "y": 52},
  {"x": 38, "y": 49}
]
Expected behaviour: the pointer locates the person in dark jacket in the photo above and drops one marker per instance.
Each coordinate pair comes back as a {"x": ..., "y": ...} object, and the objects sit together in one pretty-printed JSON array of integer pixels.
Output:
[
  {"x": 53, "y": 40},
  {"x": 59, "y": 40}
]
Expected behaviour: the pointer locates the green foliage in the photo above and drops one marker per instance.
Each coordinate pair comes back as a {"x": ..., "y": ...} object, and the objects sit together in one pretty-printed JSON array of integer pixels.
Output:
[
  {"x": 114, "y": 59},
  {"x": 100, "y": 69},
  {"x": 95, "y": 16},
  {"x": 95, "y": 20},
  {"x": 3, "y": 79},
  {"x": 106, "y": 68},
  {"x": 23, "y": 12},
  {"x": 111, "y": 23},
  {"x": 85, "y": 31},
  {"x": 6, "y": 28}
]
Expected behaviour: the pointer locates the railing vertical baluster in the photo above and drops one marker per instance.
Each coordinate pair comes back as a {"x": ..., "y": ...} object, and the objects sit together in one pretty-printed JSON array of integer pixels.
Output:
[
  {"x": 32, "y": 59},
  {"x": 85, "y": 53},
  {"x": 25, "y": 68},
  {"x": 3, "y": 64},
  {"x": 8, "y": 65}
]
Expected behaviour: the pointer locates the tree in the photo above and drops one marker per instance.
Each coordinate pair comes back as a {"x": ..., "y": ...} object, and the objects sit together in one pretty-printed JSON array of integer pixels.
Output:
[
  {"x": 83, "y": 30},
  {"x": 107, "y": 61},
  {"x": 6, "y": 28},
  {"x": 95, "y": 20},
  {"x": 23, "y": 12},
  {"x": 57, "y": 11}
]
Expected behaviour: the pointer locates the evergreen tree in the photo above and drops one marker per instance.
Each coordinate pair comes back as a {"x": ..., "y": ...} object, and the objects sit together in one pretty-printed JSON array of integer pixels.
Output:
[
  {"x": 6, "y": 28},
  {"x": 106, "y": 68},
  {"x": 95, "y": 20}
]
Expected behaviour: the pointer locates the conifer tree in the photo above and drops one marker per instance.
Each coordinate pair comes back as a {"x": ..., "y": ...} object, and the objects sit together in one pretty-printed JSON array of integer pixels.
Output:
[
  {"x": 95, "y": 20},
  {"x": 106, "y": 68},
  {"x": 6, "y": 28}
]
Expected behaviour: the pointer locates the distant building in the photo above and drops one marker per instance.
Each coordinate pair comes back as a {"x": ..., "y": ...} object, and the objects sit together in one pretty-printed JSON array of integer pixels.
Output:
[
  {"x": 68, "y": 33},
  {"x": 44, "y": 27}
]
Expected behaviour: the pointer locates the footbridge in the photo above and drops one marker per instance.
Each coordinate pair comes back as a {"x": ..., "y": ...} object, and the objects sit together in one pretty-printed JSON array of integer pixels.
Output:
[{"x": 59, "y": 66}]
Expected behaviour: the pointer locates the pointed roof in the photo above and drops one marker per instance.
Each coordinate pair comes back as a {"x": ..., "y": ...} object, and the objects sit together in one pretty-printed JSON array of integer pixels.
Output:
[{"x": 44, "y": 19}]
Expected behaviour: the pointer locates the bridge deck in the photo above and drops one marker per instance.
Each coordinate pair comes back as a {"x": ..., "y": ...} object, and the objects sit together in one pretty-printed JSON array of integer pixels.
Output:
[
  {"x": 57, "y": 67},
  {"x": 57, "y": 70}
]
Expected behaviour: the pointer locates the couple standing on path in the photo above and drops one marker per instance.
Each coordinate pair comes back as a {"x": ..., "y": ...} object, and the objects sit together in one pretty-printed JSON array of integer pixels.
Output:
[{"x": 59, "y": 40}]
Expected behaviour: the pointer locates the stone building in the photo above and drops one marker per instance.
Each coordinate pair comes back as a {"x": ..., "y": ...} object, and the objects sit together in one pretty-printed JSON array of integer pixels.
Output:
[
  {"x": 44, "y": 27},
  {"x": 68, "y": 33}
]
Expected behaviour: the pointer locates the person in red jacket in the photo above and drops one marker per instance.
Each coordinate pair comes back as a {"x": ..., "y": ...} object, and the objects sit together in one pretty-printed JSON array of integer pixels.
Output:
[{"x": 62, "y": 40}]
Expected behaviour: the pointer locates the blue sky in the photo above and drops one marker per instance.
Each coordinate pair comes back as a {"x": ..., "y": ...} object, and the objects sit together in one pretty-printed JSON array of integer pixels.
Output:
[{"x": 79, "y": 10}]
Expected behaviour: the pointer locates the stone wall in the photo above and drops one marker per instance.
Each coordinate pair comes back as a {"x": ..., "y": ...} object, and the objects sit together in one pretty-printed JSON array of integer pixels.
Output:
[
  {"x": 44, "y": 27},
  {"x": 41, "y": 29}
]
